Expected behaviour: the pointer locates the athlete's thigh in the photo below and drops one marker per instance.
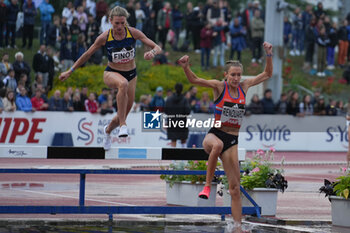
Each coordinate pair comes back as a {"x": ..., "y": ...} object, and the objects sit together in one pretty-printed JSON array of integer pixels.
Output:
[
  {"x": 209, "y": 141},
  {"x": 114, "y": 80},
  {"x": 131, "y": 90}
]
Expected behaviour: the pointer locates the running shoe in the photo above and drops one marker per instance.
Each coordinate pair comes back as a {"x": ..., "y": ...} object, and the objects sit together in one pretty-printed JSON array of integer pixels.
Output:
[
  {"x": 107, "y": 142},
  {"x": 205, "y": 192},
  {"x": 123, "y": 131}
]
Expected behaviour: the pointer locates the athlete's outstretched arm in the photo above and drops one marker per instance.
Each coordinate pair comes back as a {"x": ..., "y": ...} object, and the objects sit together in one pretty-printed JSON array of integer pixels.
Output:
[
  {"x": 184, "y": 62},
  {"x": 148, "y": 42},
  {"x": 99, "y": 42},
  {"x": 267, "y": 71}
]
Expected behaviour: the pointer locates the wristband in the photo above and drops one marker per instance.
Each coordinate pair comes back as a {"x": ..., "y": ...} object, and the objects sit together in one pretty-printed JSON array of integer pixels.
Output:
[
  {"x": 268, "y": 55},
  {"x": 72, "y": 69},
  {"x": 153, "y": 51}
]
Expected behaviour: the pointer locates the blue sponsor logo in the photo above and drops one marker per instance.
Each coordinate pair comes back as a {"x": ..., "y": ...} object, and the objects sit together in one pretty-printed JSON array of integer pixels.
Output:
[{"x": 152, "y": 120}]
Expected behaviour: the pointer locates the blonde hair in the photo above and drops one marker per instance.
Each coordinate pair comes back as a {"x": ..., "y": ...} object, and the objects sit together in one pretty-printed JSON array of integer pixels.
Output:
[
  {"x": 233, "y": 63},
  {"x": 119, "y": 11}
]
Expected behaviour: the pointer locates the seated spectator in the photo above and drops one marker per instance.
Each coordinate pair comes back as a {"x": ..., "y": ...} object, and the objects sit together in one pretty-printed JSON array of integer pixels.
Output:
[
  {"x": 331, "y": 109},
  {"x": 281, "y": 106},
  {"x": 9, "y": 101},
  {"x": 5, "y": 65},
  {"x": 144, "y": 103},
  {"x": 38, "y": 80},
  {"x": 10, "y": 80},
  {"x": 20, "y": 66},
  {"x": 341, "y": 110},
  {"x": 2, "y": 95},
  {"x": 67, "y": 104},
  {"x": 103, "y": 96},
  {"x": 293, "y": 104},
  {"x": 55, "y": 102},
  {"x": 77, "y": 104},
  {"x": 306, "y": 107},
  {"x": 204, "y": 105},
  {"x": 38, "y": 102},
  {"x": 91, "y": 104},
  {"x": 255, "y": 106},
  {"x": 157, "y": 102},
  {"x": 320, "y": 107},
  {"x": 43, "y": 93},
  {"x": 23, "y": 102},
  {"x": 267, "y": 102},
  {"x": 105, "y": 108}
]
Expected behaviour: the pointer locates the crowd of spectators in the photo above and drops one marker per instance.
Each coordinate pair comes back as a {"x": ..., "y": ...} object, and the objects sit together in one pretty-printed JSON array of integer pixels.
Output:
[{"x": 211, "y": 29}]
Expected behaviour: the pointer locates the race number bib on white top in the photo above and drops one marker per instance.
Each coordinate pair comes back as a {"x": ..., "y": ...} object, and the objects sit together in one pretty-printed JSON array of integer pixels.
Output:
[
  {"x": 123, "y": 56},
  {"x": 232, "y": 113}
]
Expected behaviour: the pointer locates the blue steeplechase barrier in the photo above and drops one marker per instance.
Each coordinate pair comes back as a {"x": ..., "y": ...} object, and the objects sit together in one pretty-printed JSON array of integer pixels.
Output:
[{"x": 110, "y": 210}]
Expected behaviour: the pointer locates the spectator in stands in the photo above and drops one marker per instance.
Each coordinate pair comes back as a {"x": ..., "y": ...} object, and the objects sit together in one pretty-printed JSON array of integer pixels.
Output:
[
  {"x": 341, "y": 110},
  {"x": 103, "y": 96},
  {"x": 105, "y": 23},
  {"x": 131, "y": 9},
  {"x": 2, "y": 95},
  {"x": 333, "y": 41},
  {"x": 204, "y": 105},
  {"x": 293, "y": 104},
  {"x": 149, "y": 26},
  {"x": 297, "y": 31},
  {"x": 46, "y": 10},
  {"x": 267, "y": 102},
  {"x": 38, "y": 80},
  {"x": 343, "y": 43},
  {"x": 281, "y": 106},
  {"x": 310, "y": 39},
  {"x": 238, "y": 33},
  {"x": 20, "y": 66},
  {"x": 3, "y": 10},
  {"x": 51, "y": 67},
  {"x": 92, "y": 30},
  {"x": 320, "y": 107},
  {"x": 177, "y": 25},
  {"x": 145, "y": 100},
  {"x": 77, "y": 104},
  {"x": 9, "y": 101},
  {"x": 318, "y": 11},
  {"x": 101, "y": 10},
  {"x": 5, "y": 65},
  {"x": 105, "y": 108},
  {"x": 82, "y": 19},
  {"x": 40, "y": 64},
  {"x": 69, "y": 12},
  {"x": 331, "y": 109},
  {"x": 84, "y": 94},
  {"x": 55, "y": 102},
  {"x": 91, "y": 8},
  {"x": 219, "y": 42},
  {"x": 91, "y": 104},
  {"x": 207, "y": 35},
  {"x": 177, "y": 107},
  {"x": 64, "y": 29},
  {"x": 74, "y": 31},
  {"x": 66, "y": 57},
  {"x": 164, "y": 22},
  {"x": 257, "y": 32},
  {"x": 29, "y": 11},
  {"x": 255, "y": 106},
  {"x": 322, "y": 42},
  {"x": 215, "y": 13},
  {"x": 23, "y": 80},
  {"x": 81, "y": 47},
  {"x": 23, "y": 102},
  {"x": 158, "y": 102},
  {"x": 192, "y": 97},
  {"x": 10, "y": 81},
  {"x": 54, "y": 38},
  {"x": 140, "y": 17},
  {"x": 11, "y": 18},
  {"x": 305, "y": 107},
  {"x": 67, "y": 103},
  {"x": 38, "y": 102}
]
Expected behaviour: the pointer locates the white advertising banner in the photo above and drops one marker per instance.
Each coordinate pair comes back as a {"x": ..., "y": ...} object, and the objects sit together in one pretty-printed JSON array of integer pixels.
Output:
[{"x": 285, "y": 133}]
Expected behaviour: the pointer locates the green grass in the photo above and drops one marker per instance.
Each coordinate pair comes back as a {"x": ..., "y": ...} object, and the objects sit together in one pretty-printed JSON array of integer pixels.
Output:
[{"x": 167, "y": 76}]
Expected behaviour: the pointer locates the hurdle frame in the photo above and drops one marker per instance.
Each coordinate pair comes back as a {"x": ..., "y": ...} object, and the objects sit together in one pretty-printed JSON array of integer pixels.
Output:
[{"x": 166, "y": 154}]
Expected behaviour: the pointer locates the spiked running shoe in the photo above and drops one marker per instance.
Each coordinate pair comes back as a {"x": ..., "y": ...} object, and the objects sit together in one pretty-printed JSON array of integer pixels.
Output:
[
  {"x": 107, "y": 142},
  {"x": 205, "y": 192},
  {"x": 123, "y": 131}
]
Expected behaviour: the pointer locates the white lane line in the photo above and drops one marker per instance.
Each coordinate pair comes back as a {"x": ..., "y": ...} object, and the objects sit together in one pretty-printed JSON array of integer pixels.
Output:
[{"x": 87, "y": 199}]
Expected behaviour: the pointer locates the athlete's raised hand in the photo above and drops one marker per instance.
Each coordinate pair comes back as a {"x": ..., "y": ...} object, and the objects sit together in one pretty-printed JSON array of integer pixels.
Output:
[
  {"x": 184, "y": 61},
  {"x": 63, "y": 76},
  {"x": 268, "y": 48}
]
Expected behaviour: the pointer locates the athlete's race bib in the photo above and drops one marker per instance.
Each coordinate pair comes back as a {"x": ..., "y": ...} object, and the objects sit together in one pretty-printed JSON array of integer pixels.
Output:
[
  {"x": 232, "y": 114},
  {"x": 123, "y": 56}
]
